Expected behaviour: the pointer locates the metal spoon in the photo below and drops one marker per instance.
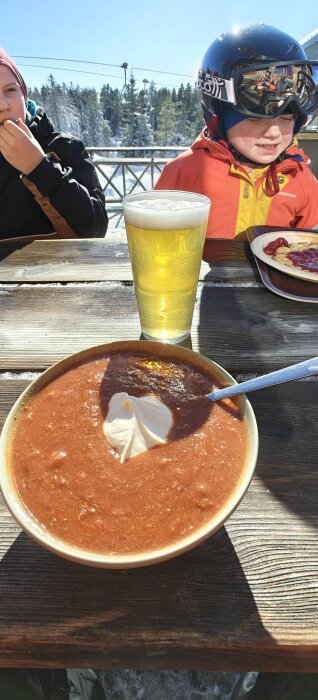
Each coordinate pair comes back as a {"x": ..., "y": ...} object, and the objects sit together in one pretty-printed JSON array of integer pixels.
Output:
[{"x": 302, "y": 369}]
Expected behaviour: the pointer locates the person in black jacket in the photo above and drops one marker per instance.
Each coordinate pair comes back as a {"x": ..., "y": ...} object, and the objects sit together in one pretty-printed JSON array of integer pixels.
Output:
[{"x": 47, "y": 182}]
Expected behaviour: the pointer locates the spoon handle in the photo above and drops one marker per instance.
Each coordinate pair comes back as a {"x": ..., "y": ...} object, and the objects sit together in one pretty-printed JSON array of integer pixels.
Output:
[{"x": 302, "y": 369}]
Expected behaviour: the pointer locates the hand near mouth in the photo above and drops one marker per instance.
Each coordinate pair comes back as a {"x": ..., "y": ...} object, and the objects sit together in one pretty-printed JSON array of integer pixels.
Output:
[{"x": 19, "y": 147}]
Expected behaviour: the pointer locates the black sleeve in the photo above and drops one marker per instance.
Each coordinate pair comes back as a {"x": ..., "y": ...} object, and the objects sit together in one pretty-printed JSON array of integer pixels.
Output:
[{"x": 66, "y": 187}]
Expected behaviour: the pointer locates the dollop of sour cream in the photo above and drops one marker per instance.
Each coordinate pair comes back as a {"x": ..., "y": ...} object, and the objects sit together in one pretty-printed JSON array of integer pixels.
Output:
[{"x": 134, "y": 425}]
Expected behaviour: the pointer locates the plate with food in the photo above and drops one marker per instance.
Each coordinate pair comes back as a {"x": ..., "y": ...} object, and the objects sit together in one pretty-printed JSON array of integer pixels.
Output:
[{"x": 293, "y": 252}]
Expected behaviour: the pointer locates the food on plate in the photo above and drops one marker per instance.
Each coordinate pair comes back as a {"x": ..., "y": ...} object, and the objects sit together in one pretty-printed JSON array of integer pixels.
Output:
[
  {"x": 91, "y": 496},
  {"x": 273, "y": 246},
  {"x": 301, "y": 254}
]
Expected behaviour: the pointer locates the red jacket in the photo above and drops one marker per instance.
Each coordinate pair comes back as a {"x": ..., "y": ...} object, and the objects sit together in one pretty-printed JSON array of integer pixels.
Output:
[{"x": 285, "y": 193}]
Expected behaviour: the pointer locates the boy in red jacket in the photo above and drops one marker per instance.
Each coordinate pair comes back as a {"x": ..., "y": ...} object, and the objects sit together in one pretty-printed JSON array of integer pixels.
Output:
[{"x": 246, "y": 160}]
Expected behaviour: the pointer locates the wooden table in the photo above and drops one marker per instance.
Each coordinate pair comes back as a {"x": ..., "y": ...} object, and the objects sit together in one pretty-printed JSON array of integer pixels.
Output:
[{"x": 248, "y": 597}]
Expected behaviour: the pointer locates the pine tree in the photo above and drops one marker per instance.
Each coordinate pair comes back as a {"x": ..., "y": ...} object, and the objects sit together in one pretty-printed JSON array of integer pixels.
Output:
[
  {"x": 94, "y": 127},
  {"x": 167, "y": 120},
  {"x": 153, "y": 104},
  {"x": 49, "y": 101},
  {"x": 112, "y": 109},
  {"x": 136, "y": 125}
]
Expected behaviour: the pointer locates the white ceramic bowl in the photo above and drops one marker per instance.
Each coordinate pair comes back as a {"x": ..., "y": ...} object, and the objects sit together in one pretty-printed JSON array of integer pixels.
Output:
[{"x": 29, "y": 523}]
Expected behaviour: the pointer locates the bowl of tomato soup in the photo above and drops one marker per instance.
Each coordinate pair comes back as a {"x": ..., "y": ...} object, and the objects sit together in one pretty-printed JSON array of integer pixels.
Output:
[{"x": 74, "y": 491}]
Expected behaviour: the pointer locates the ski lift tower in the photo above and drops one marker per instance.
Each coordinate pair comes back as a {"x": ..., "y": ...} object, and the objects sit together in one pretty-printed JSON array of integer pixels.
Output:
[
  {"x": 125, "y": 66},
  {"x": 124, "y": 94}
]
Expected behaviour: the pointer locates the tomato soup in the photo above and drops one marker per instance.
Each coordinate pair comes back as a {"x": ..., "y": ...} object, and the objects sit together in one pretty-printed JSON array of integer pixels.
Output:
[{"x": 72, "y": 481}]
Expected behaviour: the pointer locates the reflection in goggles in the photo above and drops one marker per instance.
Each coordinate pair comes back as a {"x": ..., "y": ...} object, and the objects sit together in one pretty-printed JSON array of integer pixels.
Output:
[{"x": 271, "y": 89}]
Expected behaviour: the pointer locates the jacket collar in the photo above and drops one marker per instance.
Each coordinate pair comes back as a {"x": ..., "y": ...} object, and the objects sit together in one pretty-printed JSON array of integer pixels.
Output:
[{"x": 290, "y": 160}]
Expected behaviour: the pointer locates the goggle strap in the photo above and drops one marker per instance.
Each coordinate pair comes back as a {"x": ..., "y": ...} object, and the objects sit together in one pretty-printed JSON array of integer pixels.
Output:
[
  {"x": 230, "y": 91},
  {"x": 216, "y": 87}
]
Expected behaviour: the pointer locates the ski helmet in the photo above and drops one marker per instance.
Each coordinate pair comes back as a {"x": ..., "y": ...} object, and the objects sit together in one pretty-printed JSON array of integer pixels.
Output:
[{"x": 235, "y": 66}]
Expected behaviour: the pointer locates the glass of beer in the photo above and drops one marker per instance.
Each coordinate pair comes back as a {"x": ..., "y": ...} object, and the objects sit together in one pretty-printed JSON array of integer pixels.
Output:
[{"x": 166, "y": 233}]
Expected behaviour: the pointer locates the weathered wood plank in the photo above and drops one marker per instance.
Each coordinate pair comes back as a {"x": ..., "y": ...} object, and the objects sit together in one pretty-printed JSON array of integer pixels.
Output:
[
  {"x": 243, "y": 329},
  {"x": 251, "y": 589},
  {"x": 58, "y": 261},
  {"x": 103, "y": 259}
]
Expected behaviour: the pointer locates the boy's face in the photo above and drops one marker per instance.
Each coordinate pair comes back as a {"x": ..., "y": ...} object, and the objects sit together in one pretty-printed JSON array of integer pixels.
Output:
[
  {"x": 262, "y": 140},
  {"x": 12, "y": 103}
]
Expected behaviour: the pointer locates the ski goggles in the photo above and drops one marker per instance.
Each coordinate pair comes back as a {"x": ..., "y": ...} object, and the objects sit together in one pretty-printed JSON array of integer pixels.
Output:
[{"x": 266, "y": 90}]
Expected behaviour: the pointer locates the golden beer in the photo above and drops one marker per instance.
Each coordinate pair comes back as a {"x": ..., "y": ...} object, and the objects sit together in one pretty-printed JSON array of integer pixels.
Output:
[{"x": 166, "y": 233}]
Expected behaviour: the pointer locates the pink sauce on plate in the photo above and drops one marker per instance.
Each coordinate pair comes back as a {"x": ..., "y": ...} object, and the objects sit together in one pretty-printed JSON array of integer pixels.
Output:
[
  {"x": 271, "y": 247},
  {"x": 303, "y": 259}
]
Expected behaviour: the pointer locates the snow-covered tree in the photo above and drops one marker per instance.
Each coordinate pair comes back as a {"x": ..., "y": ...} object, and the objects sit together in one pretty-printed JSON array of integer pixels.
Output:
[
  {"x": 131, "y": 117},
  {"x": 136, "y": 130}
]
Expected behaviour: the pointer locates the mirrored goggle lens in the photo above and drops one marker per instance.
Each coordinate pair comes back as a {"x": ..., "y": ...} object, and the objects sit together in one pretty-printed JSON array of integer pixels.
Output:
[{"x": 269, "y": 90}]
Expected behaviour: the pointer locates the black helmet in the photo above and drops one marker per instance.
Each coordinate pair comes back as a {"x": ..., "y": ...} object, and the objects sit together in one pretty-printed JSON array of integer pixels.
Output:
[{"x": 234, "y": 64}]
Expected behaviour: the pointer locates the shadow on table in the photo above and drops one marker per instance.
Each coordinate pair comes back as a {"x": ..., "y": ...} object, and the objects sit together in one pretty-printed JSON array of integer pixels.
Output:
[
  {"x": 242, "y": 340},
  {"x": 182, "y": 610},
  {"x": 8, "y": 245}
]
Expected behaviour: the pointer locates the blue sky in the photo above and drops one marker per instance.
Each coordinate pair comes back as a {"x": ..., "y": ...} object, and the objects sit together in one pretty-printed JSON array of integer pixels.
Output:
[{"x": 167, "y": 35}]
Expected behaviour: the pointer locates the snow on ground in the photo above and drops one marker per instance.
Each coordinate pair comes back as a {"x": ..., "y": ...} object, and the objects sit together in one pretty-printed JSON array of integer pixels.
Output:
[{"x": 130, "y": 180}]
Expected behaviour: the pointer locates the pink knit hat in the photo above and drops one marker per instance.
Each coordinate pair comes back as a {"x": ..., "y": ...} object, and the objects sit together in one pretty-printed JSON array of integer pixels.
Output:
[{"x": 5, "y": 60}]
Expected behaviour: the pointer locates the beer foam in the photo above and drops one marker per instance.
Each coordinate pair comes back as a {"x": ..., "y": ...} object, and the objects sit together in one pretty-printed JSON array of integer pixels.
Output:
[
  {"x": 164, "y": 204},
  {"x": 161, "y": 213}
]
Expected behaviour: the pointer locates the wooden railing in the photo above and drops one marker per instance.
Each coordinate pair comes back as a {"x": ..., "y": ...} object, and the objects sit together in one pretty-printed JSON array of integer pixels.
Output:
[{"x": 122, "y": 172}]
